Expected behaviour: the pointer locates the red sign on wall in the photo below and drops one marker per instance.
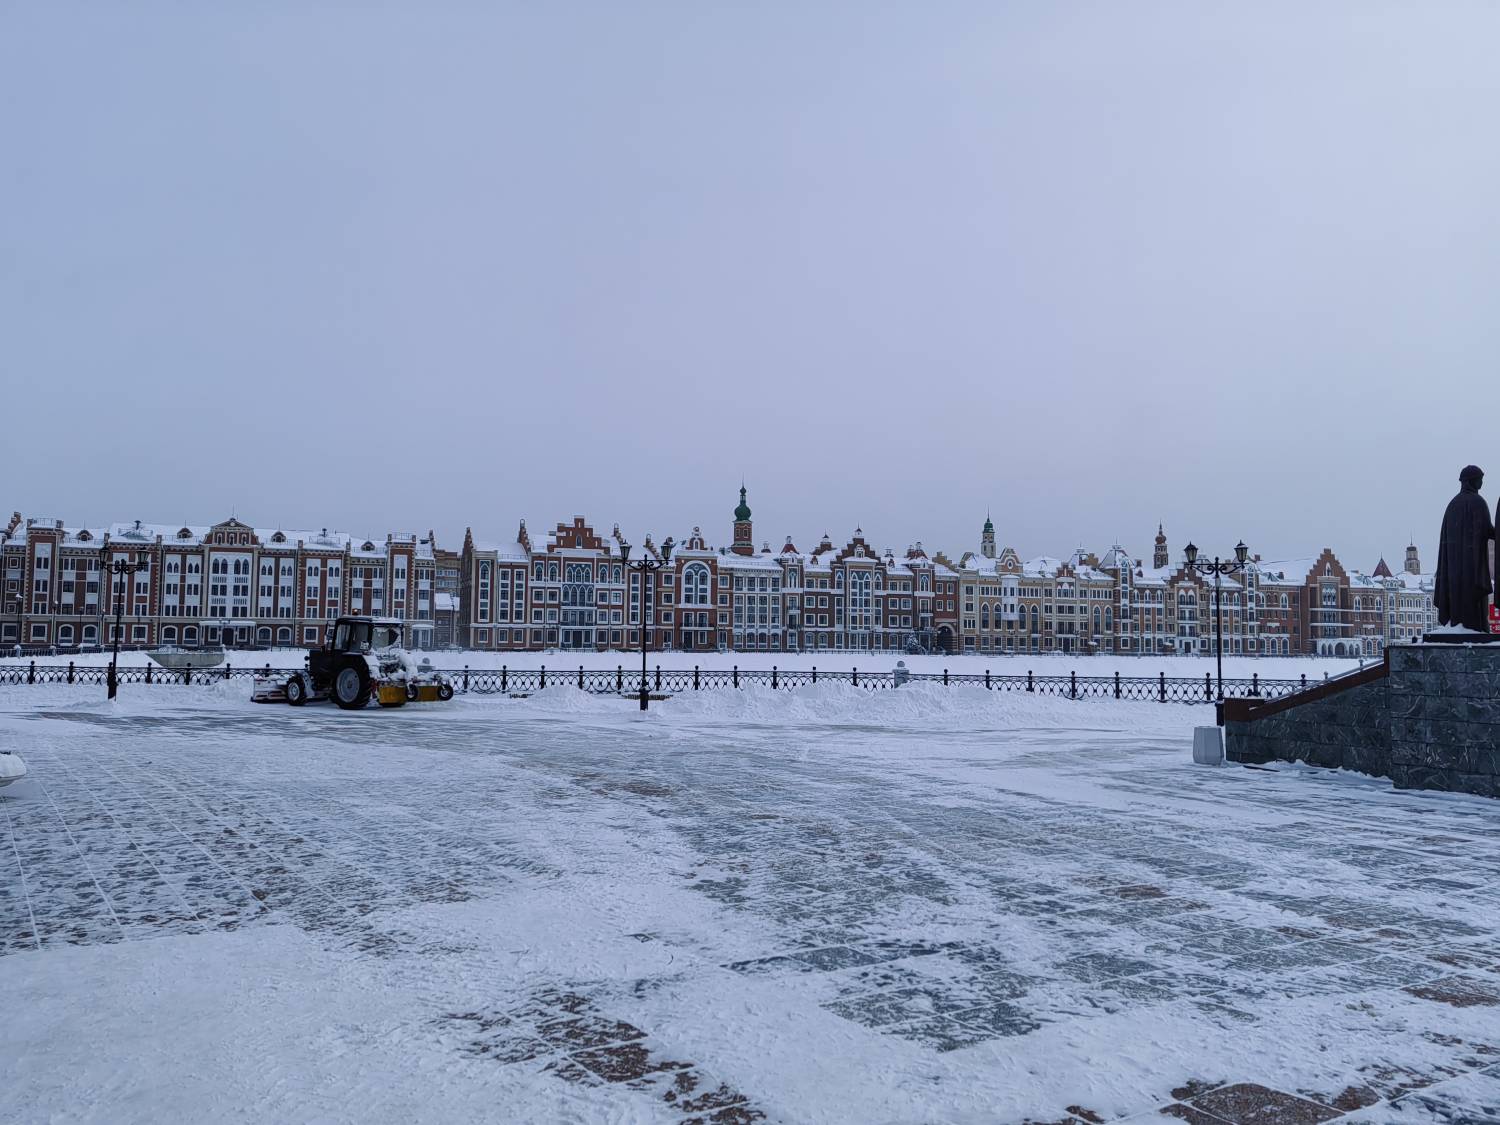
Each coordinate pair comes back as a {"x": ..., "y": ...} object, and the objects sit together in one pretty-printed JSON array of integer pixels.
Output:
[{"x": 1495, "y": 619}]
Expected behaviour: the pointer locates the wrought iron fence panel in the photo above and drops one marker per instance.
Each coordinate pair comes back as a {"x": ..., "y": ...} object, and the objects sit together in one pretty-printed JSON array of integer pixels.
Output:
[
  {"x": 670, "y": 682},
  {"x": 676, "y": 681}
]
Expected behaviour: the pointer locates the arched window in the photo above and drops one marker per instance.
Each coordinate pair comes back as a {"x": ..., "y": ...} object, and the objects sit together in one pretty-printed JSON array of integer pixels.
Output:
[
  {"x": 90, "y": 633},
  {"x": 984, "y": 616},
  {"x": 695, "y": 584},
  {"x": 65, "y": 634},
  {"x": 169, "y": 634},
  {"x": 263, "y": 635},
  {"x": 1036, "y": 620},
  {"x": 190, "y": 635},
  {"x": 538, "y": 575},
  {"x": 552, "y": 572},
  {"x": 1098, "y": 617},
  {"x": 283, "y": 636}
]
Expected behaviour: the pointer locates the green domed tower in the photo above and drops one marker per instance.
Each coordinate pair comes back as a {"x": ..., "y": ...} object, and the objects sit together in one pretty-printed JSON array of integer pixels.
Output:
[
  {"x": 744, "y": 540},
  {"x": 987, "y": 539}
]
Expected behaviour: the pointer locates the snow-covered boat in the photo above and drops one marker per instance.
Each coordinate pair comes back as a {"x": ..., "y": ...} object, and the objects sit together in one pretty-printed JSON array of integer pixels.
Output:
[{"x": 182, "y": 659}]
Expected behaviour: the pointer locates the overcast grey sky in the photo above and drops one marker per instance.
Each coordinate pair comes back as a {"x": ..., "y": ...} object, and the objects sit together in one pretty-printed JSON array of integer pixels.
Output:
[{"x": 1233, "y": 267}]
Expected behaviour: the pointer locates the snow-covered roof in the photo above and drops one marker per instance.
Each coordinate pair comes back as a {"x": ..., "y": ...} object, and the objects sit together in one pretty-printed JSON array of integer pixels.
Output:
[
  {"x": 749, "y": 562},
  {"x": 1154, "y": 575},
  {"x": 510, "y": 552},
  {"x": 89, "y": 538},
  {"x": 1286, "y": 572},
  {"x": 1043, "y": 566}
]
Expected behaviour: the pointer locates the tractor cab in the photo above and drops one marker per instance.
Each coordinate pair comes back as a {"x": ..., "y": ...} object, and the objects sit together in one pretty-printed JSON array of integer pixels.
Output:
[{"x": 362, "y": 634}]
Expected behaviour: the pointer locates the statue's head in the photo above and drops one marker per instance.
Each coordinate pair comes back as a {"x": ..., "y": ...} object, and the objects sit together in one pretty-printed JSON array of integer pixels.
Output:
[{"x": 1472, "y": 478}]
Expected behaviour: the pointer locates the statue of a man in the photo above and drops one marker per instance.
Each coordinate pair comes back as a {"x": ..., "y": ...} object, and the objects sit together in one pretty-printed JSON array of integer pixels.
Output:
[{"x": 1462, "y": 589}]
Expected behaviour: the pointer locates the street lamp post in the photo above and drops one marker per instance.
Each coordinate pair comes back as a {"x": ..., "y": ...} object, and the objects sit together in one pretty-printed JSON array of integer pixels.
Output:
[
  {"x": 119, "y": 568},
  {"x": 643, "y": 566},
  {"x": 1218, "y": 568}
]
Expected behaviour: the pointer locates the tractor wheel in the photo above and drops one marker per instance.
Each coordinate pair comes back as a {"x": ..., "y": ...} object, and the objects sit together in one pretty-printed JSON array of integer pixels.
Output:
[
  {"x": 351, "y": 687},
  {"x": 411, "y": 693},
  {"x": 445, "y": 692},
  {"x": 296, "y": 691}
]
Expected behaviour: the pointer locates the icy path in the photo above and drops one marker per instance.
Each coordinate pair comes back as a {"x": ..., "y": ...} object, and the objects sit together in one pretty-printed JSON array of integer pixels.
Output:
[{"x": 923, "y": 906}]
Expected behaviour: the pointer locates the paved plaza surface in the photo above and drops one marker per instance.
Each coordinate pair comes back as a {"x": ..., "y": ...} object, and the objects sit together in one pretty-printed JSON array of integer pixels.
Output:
[{"x": 821, "y": 906}]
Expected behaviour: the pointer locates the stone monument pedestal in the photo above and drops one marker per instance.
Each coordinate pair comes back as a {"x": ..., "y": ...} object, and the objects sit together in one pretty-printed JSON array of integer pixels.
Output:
[
  {"x": 1445, "y": 717},
  {"x": 1428, "y": 718},
  {"x": 1460, "y": 637}
]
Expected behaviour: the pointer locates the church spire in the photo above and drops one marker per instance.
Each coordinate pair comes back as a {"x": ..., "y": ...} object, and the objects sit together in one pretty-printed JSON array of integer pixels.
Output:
[{"x": 744, "y": 539}]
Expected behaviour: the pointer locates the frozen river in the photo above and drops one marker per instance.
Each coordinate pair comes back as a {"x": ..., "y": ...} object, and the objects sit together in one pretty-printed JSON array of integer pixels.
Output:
[{"x": 819, "y": 906}]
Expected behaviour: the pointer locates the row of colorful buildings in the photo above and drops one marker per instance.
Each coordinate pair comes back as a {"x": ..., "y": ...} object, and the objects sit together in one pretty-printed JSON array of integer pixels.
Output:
[
  {"x": 228, "y": 583},
  {"x": 572, "y": 589}
]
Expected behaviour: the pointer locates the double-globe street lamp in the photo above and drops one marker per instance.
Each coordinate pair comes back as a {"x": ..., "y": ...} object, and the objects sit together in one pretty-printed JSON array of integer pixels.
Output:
[
  {"x": 644, "y": 566},
  {"x": 119, "y": 568},
  {"x": 1218, "y": 568}
]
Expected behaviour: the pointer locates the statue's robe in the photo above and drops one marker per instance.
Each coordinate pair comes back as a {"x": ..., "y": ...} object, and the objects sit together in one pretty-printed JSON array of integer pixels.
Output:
[{"x": 1462, "y": 589}]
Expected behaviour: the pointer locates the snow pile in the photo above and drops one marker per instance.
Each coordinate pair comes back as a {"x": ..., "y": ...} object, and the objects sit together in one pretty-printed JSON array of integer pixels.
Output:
[
  {"x": 916, "y": 706},
  {"x": 133, "y": 699}
]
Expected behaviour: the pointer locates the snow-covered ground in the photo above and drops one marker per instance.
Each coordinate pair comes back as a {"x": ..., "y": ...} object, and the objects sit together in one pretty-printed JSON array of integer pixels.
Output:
[
  {"x": 823, "y": 905},
  {"x": 1043, "y": 664}
]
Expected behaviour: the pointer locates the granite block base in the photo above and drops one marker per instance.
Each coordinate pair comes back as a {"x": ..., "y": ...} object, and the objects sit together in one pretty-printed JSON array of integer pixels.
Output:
[{"x": 1432, "y": 721}]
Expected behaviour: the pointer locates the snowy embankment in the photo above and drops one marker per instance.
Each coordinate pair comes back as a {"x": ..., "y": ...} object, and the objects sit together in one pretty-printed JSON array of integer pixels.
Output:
[
  {"x": 1046, "y": 664},
  {"x": 916, "y": 707}
]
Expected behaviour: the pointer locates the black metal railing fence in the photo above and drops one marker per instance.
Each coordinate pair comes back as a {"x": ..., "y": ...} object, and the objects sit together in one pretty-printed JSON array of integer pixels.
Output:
[{"x": 524, "y": 681}]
